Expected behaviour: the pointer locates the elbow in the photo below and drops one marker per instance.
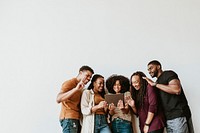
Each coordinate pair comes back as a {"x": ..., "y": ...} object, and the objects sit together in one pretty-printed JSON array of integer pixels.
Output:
[{"x": 58, "y": 100}]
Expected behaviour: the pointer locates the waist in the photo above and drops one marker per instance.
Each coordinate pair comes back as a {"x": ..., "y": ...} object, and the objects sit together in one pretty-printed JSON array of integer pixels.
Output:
[
  {"x": 121, "y": 120},
  {"x": 100, "y": 116}
]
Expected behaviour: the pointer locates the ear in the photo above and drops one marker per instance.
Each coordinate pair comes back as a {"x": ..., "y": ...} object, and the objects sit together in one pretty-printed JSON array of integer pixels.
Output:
[
  {"x": 80, "y": 72},
  {"x": 158, "y": 66}
]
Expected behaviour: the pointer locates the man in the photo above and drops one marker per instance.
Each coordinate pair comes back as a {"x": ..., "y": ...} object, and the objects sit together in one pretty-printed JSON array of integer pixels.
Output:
[
  {"x": 172, "y": 98},
  {"x": 69, "y": 97}
]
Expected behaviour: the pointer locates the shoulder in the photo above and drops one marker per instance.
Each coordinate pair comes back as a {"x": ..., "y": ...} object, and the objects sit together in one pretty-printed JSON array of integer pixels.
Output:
[
  {"x": 169, "y": 73},
  {"x": 150, "y": 88},
  {"x": 167, "y": 76},
  {"x": 87, "y": 92},
  {"x": 70, "y": 82}
]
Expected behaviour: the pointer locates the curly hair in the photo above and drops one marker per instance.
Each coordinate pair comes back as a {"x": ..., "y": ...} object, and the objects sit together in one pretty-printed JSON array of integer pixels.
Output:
[
  {"x": 124, "y": 82},
  {"x": 138, "y": 95}
]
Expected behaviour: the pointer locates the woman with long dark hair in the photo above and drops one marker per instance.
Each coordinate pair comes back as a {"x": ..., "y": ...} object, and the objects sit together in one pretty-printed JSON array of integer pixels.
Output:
[{"x": 145, "y": 104}]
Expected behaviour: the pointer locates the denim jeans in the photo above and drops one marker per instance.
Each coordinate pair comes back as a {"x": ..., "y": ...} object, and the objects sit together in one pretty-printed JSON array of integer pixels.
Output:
[
  {"x": 70, "y": 125},
  {"x": 177, "y": 125},
  {"x": 101, "y": 125},
  {"x": 121, "y": 126}
]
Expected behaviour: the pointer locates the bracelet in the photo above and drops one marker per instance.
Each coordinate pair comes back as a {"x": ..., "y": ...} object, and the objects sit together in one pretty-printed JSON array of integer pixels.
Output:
[{"x": 146, "y": 124}]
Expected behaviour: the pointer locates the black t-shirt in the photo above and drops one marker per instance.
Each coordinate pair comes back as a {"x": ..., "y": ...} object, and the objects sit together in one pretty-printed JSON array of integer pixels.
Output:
[{"x": 173, "y": 105}]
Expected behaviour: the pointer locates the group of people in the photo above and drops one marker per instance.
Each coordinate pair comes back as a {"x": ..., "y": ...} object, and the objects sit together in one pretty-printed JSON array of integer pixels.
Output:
[{"x": 157, "y": 104}]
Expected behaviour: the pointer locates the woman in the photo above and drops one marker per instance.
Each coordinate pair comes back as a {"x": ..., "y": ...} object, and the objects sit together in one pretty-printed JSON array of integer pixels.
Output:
[
  {"x": 145, "y": 105},
  {"x": 121, "y": 116},
  {"x": 93, "y": 107}
]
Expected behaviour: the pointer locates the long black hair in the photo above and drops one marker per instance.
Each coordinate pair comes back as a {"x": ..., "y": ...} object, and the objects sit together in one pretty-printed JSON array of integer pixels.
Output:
[
  {"x": 138, "y": 95},
  {"x": 91, "y": 86}
]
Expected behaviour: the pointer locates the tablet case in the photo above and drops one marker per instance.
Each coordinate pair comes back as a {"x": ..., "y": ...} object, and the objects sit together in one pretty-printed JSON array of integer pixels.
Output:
[{"x": 114, "y": 98}]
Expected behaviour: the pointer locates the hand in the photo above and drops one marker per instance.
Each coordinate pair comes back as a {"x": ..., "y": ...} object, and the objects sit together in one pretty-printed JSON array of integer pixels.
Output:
[
  {"x": 120, "y": 104},
  {"x": 111, "y": 107},
  {"x": 130, "y": 101},
  {"x": 146, "y": 129},
  {"x": 80, "y": 85},
  {"x": 102, "y": 104},
  {"x": 150, "y": 81}
]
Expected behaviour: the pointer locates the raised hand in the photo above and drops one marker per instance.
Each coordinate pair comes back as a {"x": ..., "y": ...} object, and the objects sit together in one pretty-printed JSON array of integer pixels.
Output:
[
  {"x": 111, "y": 107},
  {"x": 120, "y": 104},
  {"x": 130, "y": 101},
  {"x": 150, "y": 81}
]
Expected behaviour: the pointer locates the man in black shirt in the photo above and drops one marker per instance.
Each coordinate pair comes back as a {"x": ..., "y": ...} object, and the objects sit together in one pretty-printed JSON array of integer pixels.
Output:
[{"x": 172, "y": 99}]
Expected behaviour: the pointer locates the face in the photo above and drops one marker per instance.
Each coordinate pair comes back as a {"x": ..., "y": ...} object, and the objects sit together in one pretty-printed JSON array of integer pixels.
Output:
[
  {"x": 117, "y": 87},
  {"x": 86, "y": 76},
  {"x": 99, "y": 85},
  {"x": 136, "y": 83},
  {"x": 153, "y": 70}
]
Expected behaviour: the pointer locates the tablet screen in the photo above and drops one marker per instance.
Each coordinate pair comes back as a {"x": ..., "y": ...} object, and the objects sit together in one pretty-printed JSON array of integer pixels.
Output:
[{"x": 114, "y": 98}]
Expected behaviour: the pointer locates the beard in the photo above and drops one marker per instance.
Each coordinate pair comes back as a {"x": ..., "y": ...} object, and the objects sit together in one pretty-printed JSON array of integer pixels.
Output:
[{"x": 154, "y": 74}]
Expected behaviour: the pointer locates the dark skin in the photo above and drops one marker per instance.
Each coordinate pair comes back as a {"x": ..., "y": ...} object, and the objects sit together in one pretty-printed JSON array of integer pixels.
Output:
[{"x": 174, "y": 86}]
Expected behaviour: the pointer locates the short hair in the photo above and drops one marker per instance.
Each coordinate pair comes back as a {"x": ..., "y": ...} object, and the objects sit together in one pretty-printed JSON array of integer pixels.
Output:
[
  {"x": 155, "y": 62},
  {"x": 85, "y": 68}
]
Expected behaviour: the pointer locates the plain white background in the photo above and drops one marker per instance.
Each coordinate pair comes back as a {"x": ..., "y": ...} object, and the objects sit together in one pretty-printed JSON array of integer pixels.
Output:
[{"x": 45, "y": 42}]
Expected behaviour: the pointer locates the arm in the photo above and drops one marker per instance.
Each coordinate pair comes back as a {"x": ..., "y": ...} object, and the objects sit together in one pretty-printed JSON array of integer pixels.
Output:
[
  {"x": 148, "y": 121},
  {"x": 62, "y": 96},
  {"x": 174, "y": 86},
  {"x": 152, "y": 108}
]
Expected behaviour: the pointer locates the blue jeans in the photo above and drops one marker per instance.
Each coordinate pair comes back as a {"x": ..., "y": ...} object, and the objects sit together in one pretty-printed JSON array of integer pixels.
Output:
[
  {"x": 178, "y": 125},
  {"x": 121, "y": 126},
  {"x": 101, "y": 125},
  {"x": 70, "y": 125}
]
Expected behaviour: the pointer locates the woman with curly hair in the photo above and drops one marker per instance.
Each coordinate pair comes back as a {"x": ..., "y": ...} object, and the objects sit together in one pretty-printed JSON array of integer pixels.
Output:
[{"x": 121, "y": 116}]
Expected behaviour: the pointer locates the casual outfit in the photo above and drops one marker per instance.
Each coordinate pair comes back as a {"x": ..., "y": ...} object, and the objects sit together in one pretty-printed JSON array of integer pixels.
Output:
[
  {"x": 121, "y": 123},
  {"x": 176, "y": 109},
  {"x": 150, "y": 104},
  {"x": 70, "y": 108},
  {"x": 93, "y": 122}
]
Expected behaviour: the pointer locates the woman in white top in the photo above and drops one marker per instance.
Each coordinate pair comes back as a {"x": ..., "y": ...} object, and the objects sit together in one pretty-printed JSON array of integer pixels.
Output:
[{"x": 94, "y": 107}]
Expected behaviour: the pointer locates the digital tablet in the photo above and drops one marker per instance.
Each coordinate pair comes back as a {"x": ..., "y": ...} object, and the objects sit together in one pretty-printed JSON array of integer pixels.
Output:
[{"x": 114, "y": 98}]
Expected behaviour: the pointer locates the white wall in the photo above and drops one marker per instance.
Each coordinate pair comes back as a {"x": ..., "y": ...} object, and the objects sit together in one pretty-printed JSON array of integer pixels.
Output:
[{"x": 44, "y": 42}]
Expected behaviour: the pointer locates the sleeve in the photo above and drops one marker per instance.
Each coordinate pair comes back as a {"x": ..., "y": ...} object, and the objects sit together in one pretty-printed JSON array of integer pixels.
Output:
[
  {"x": 67, "y": 85},
  {"x": 86, "y": 103},
  {"x": 152, "y": 99},
  {"x": 171, "y": 75}
]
